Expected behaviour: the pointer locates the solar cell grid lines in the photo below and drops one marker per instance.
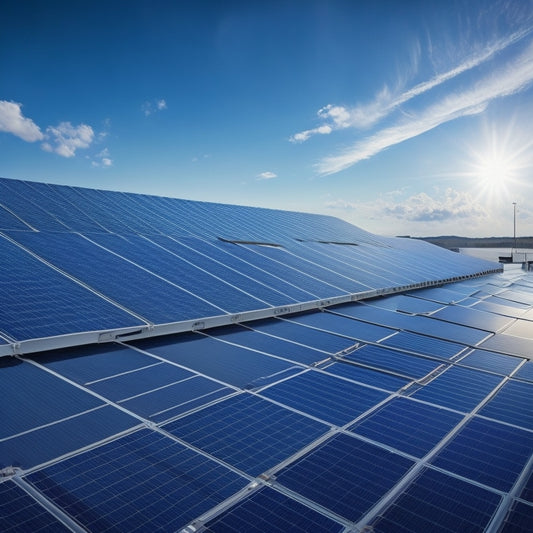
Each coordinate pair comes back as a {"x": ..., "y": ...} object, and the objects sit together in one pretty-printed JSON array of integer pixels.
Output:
[{"x": 177, "y": 365}]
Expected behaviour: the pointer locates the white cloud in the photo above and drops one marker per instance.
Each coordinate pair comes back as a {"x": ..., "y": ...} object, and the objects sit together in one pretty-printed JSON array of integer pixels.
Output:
[
  {"x": 363, "y": 116},
  {"x": 13, "y": 121},
  {"x": 152, "y": 106},
  {"x": 266, "y": 176},
  {"x": 451, "y": 205},
  {"x": 511, "y": 79},
  {"x": 65, "y": 139},
  {"x": 102, "y": 159}
]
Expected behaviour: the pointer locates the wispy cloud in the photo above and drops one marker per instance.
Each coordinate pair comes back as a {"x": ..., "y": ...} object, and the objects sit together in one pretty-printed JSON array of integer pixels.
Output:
[
  {"x": 363, "y": 116},
  {"x": 511, "y": 79},
  {"x": 65, "y": 138},
  {"x": 266, "y": 176},
  {"x": 13, "y": 121},
  {"x": 102, "y": 159},
  {"x": 153, "y": 106}
]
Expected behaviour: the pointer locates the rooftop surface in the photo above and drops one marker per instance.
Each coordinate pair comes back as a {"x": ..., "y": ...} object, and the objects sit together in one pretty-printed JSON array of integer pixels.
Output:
[{"x": 184, "y": 366}]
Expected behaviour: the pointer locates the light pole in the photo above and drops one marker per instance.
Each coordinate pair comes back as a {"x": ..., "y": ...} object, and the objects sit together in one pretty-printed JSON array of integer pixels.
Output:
[{"x": 514, "y": 224}]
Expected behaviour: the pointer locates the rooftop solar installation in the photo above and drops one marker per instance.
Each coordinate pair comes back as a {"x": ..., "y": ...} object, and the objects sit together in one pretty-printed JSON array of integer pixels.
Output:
[{"x": 186, "y": 366}]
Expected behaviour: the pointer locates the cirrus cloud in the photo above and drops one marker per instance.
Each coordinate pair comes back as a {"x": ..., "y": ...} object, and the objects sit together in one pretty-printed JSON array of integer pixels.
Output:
[{"x": 65, "y": 138}]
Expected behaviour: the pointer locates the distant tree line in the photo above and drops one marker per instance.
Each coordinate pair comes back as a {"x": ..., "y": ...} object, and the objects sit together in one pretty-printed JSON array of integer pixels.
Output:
[{"x": 452, "y": 242}]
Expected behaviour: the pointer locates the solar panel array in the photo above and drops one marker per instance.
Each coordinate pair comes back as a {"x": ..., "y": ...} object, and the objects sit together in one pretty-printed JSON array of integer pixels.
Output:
[{"x": 402, "y": 412}]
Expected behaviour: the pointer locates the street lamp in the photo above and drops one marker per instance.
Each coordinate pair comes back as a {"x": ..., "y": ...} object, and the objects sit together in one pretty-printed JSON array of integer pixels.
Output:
[{"x": 514, "y": 224}]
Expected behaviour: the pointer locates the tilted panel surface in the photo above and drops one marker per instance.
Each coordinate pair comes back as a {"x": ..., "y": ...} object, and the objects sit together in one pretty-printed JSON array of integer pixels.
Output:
[
  {"x": 231, "y": 364},
  {"x": 20, "y": 512},
  {"x": 38, "y": 301},
  {"x": 494, "y": 362},
  {"x": 125, "y": 283},
  {"x": 458, "y": 388},
  {"x": 269, "y": 511},
  {"x": 413, "y": 342},
  {"x": 329, "y": 398},
  {"x": 407, "y": 365},
  {"x": 437, "y": 502},
  {"x": 488, "y": 452},
  {"x": 143, "y": 481},
  {"x": 249, "y": 433},
  {"x": 519, "y": 519},
  {"x": 409, "y": 426},
  {"x": 345, "y": 475},
  {"x": 473, "y": 318},
  {"x": 508, "y": 344},
  {"x": 513, "y": 404}
]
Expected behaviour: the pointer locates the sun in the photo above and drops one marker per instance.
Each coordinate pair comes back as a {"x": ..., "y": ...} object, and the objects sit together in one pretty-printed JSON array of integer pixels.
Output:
[{"x": 493, "y": 172}]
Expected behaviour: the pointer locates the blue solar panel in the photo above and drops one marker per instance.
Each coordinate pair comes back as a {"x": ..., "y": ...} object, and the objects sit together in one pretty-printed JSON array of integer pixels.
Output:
[
  {"x": 527, "y": 491},
  {"x": 23, "y": 383},
  {"x": 165, "y": 403},
  {"x": 513, "y": 404},
  {"x": 247, "y": 432},
  {"x": 9, "y": 221},
  {"x": 473, "y": 318},
  {"x": 125, "y": 283},
  {"x": 340, "y": 325},
  {"x": 519, "y": 519},
  {"x": 84, "y": 364},
  {"x": 48, "y": 442},
  {"x": 345, "y": 475},
  {"x": 494, "y": 362},
  {"x": 272, "y": 345},
  {"x": 437, "y": 502},
  {"x": 293, "y": 331},
  {"x": 177, "y": 268},
  {"x": 406, "y": 304},
  {"x": 139, "y": 381},
  {"x": 19, "y": 512},
  {"x": 141, "y": 482},
  {"x": 424, "y": 345},
  {"x": 487, "y": 452},
  {"x": 269, "y": 511},
  {"x": 509, "y": 344},
  {"x": 329, "y": 398},
  {"x": 411, "y": 427},
  {"x": 458, "y": 388},
  {"x": 37, "y": 301},
  {"x": 402, "y": 363},
  {"x": 232, "y": 364},
  {"x": 367, "y": 376},
  {"x": 525, "y": 372}
]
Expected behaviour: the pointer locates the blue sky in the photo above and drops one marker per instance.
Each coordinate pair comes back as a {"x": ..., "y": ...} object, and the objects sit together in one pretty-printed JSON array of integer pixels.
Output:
[{"x": 408, "y": 117}]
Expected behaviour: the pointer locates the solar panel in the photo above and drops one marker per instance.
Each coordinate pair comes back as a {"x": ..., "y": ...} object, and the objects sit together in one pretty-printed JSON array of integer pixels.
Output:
[
  {"x": 141, "y": 481},
  {"x": 458, "y": 388},
  {"x": 437, "y": 502},
  {"x": 345, "y": 475},
  {"x": 473, "y": 318},
  {"x": 249, "y": 433},
  {"x": 317, "y": 394},
  {"x": 512, "y": 404},
  {"x": 525, "y": 372},
  {"x": 494, "y": 362},
  {"x": 423, "y": 345},
  {"x": 508, "y": 344},
  {"x": 409, "y": 426},
  {"x": 20, "y": 512},
  {"x": 38, "y": 302},
  {"x": 488, "y": 452},
  {"x": 519, "y": 519},
  {"x": 406, "y": 365}
]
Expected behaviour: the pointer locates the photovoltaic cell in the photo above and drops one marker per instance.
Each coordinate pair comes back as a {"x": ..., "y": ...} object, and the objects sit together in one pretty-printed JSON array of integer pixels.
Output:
[
  {"x": 513, "y": 404},
  {"x": 341, "y": 325},
  {"x": 527, "y": 491},
  {"x": 143, "y": 481},
  {"x": 458, "y": 388},
  {"x": 519, "y": 519},
  {"x": 437, "y": 502},
  {"x": 345, "y": 475},
  {"x": 525, "y": 372},
  {"x": 269, "y": 511},
  {"x": 473, "y": 318},
  {"x": 64, "y": 436},
  {"x": 222, "y": 361},
  {"x": 423, "y": 345},
  {"x": 247, "y": 432},
  {"x": 329, "y": 398},
  {"x": 394, "y": 361},
  {"x": 116, "y": 278},
  {"x": 38, "y": 301},
  {"x": 411, "y": 427},
  {"x": 20, "y": 512},
  {"x": 508, "y": 344},
  {"x": 494, "y": 362},
  {"x": 488, "y": 452}
]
